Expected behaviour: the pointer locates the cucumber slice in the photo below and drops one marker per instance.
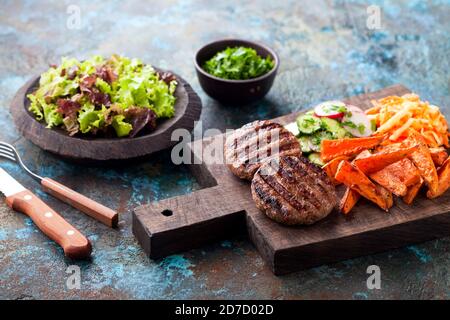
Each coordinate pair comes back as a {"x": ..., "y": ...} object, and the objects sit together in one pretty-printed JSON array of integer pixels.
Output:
[
  {"x": 308, "y": 124},
  {"x": 305, "y": 143},
  {"x": 373, "y": 125},
  {"x": 315, "y": 158},
  {"x": 334, "y": 127},
  {"x": 316, "y": 139}
]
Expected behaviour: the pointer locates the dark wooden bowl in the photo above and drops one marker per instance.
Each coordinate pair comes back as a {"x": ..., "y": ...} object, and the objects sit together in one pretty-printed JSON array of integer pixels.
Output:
[
  {"x": 234, "y": 91},
  {"x": 94, "y": 150}
]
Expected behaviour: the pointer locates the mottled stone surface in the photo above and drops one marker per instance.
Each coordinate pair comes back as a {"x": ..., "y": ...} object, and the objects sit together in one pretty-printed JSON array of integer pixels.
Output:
[{"x": 326, "y": 52}]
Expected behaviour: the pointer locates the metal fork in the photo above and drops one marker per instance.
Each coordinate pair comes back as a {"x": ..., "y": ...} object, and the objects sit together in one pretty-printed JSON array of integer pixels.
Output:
[
  {"x": 9, "y": 152},
  {"x": 63, "y": 193}
]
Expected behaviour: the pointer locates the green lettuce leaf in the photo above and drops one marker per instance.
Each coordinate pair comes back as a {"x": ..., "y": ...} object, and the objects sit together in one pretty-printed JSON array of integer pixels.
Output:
[
  {"x": 35, "y": 107},
  {"x": 90, "y": 118},
  {"x": 103, "y": 86},
  {"x": 88, "y": 66},
  {"x": 46, "y": 111},
  {"x": 141, "y": 87},
  {"x": 53, "y": 85},
  {"x": 121, "y": 83},
  {"x": 122, "y": 128},
  {"x": 51, "y": 116}
]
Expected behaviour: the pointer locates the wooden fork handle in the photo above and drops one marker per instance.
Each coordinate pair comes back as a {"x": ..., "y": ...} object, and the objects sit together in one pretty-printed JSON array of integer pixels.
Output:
[
  {"x": 74, "y": 244},
  {"x": 82, "y": 203}
]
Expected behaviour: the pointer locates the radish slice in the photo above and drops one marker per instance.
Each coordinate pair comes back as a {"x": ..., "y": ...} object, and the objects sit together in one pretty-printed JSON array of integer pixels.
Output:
[
  {"x": 356, "y": 122},
  {"x": 353, "y": 108},
  {"x": 330, "y": 109}
]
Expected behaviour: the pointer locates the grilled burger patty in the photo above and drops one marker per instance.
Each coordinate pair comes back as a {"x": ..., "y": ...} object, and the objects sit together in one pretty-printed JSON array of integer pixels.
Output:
[
  {"x": 247, "y": 148},
  {"x": 293, "y": 191}
]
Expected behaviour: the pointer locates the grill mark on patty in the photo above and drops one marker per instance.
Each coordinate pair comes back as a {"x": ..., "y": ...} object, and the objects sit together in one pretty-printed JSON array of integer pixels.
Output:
[
  {"x": 302, "y": 196},
  {"x": 262, "y": 141},
  {"x": 255, "y": 166},
  {"x": 257, "y": 131},
  {"x": 262, "y": 154},
  {"x": 258, "y": 155},
  {"x": 280, "y": 189},
  {"x": 251, "y": 129},
  {"x": 234, "y": 148},
  {"x": 262, "y": 124},
  {"x": 307, "y": 189},
  {"x": 295, "y": 193},
  {"x": 321, "y": 181},
  {"x": 294, "y": 145},
  {"x": 303, "y": 188},
  {"x": 304, "y": 164},
  {"x": 288, "y": 178},
  {"x": 266, "y": 197},
  {"x": 247, "y": 148},
  {"x": 238, "y": 135},
  {"x": 318, "y": 185},
  {"x": 272, "y": 203}
]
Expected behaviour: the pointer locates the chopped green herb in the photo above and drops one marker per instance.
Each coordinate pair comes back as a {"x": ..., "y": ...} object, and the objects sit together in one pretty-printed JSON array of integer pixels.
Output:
[
  {"x": 349, "y": 124},
  {"x": 361, "y": 128},
  {"x": 334, "y": 108},
  {"x": 238, "y": 63}
]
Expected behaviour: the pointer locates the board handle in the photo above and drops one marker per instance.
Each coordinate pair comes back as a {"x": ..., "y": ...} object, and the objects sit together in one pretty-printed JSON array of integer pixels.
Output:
[
  {"x": 82, "y": 203},
  {"x": 74, "y": 244},
  {"x": 189, "y": 221}
]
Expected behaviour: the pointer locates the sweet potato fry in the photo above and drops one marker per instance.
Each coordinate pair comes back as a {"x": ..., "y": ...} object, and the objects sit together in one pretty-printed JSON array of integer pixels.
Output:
[
  {"x": 354, "y": 178},
  {"x": 406, "y": 172},
  {"x": 409, "y": 173},
  {"x": 444, "y": 180},
  {"x": 445, "y": 140},
  {"x": 388, "y": 145},
  {"x": 347, "y": 147},
  {"x": 362, "y": 154},
  {"x": 373, "y": 110},
  {"x": 377, "y": 161},
  {"x": 412, "y": 192},
  {"x": 331, "y": 168},
  {"x": 439, "y": 155},
  {"x": 349, "y": 200},
  {"x": 388, "y": 179},
  {"x": 423, "y": 161}
]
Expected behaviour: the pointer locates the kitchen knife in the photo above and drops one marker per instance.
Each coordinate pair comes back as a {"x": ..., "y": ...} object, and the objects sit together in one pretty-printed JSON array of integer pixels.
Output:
[{"x": 74, "y": 244}]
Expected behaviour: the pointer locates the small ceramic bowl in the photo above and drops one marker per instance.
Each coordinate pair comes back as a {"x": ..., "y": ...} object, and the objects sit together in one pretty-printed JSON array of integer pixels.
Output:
[{"x": 234, "y": 91}]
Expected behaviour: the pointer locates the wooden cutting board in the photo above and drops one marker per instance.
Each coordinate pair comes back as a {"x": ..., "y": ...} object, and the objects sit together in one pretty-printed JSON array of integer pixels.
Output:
[{"x": 225, "y": 206}]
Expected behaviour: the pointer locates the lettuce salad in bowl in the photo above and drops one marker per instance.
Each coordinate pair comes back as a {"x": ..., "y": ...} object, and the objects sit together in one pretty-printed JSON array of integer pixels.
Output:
[{"x": 97, "y": 97}]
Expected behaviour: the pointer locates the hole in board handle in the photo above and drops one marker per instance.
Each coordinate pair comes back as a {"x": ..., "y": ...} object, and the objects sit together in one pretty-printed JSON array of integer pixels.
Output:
[{"x": 167, "y": 212}]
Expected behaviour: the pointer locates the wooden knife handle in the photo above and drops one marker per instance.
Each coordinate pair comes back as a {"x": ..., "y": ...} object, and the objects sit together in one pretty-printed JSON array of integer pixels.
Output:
[
  {"x": 74, "y": 244},
  {"x": 82, "y": 203}
]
